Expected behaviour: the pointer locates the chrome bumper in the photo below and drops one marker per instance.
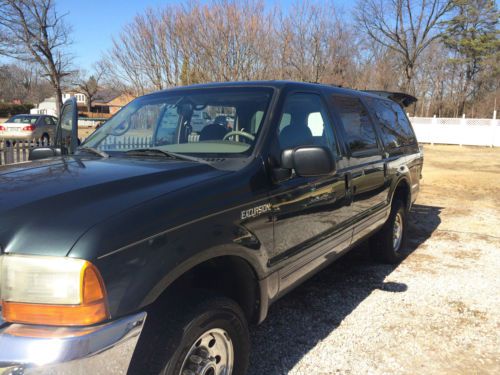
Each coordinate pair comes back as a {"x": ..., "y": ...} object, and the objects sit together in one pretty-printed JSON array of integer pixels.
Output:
[{"x": 104, "y": 349}]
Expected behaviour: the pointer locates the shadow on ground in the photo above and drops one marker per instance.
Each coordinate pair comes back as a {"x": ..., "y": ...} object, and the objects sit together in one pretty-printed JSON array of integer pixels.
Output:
[{"x": 301, "y": 319}]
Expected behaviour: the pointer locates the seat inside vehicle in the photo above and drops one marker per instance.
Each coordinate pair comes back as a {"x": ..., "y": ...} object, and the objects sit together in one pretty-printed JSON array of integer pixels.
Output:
[
  {"x": 294, "y": 135},
  {"x": 213, "y": 132}
]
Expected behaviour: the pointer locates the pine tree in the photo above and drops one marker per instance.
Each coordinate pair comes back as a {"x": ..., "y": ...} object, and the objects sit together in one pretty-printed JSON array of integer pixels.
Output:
[{"x": 472, "y": 36}]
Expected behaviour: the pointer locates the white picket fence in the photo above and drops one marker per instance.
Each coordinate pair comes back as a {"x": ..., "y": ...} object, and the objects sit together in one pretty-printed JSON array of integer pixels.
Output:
[
  {"x": 16, "y": 151},
  {"x": 457, "y": 131}
]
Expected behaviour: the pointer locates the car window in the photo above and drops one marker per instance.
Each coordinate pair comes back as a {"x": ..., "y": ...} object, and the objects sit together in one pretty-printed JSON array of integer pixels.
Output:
[
  {"x": 255, "y": 121},
  {"x": 395, "y": 128},
  {"x": 356, "y": 123},
  {"x": 23, "y": 119},
  {"x": 167, "y": 127},
  {"x": 404, "y": 124},
  {"x": 48, "y": 121},
  {"x": 215, "y": 121},
  {"x": 304, "y": 122}
]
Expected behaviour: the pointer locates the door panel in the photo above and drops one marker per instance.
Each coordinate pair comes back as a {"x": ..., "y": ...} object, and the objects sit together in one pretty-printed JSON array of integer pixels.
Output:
[
  {"x": 308, "y": 212},
  {"x": 369, "y": 183}
]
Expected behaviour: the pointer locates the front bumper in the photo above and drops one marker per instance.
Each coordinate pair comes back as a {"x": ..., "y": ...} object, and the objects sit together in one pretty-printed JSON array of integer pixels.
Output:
[{"x": 103, "y": 349}]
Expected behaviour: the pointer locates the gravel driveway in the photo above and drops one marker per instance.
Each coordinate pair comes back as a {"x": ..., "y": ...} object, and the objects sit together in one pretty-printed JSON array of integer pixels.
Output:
[{"x": 438, "y": 312}]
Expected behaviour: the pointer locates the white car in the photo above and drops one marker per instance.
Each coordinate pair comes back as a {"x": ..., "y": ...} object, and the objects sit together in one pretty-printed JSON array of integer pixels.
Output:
[{"x": 27, "y": 127}]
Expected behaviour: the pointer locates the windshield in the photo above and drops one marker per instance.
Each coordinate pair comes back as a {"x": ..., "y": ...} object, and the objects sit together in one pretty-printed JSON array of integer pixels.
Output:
[{"x": 222, "y": 121}]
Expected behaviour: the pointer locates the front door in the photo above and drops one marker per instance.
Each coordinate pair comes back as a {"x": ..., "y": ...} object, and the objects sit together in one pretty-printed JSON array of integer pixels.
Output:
[{"x": 310, "y": 213}]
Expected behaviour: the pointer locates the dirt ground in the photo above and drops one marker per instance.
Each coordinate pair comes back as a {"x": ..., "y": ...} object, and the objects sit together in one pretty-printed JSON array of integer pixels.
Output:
[{"x": 438, "y": 312}]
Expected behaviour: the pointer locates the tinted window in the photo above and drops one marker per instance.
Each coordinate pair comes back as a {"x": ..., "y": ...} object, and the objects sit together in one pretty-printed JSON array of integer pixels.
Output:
[
  {"x": 404, "y": 123},
  {"x": 304, "y": 122},
  {"x": 356, "y": 123},
  {"x": 48, "y": 121},
  {"x": 395, "y": 128}
]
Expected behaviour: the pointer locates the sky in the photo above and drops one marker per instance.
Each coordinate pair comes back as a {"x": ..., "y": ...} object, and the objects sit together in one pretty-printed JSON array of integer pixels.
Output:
[{"x": 95, "y": 22}]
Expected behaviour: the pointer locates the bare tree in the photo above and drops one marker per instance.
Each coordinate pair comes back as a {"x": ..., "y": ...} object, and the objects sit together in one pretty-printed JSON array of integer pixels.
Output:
[
  {"x": 147, "y": 53},
  {"x": 405, "y": 26},
  {"x": 227, "y": 40},
  {"x": 34, "y": 32},
  {"x": 22, "y": 81},
  {"x": 89, "y": 84},
  {"x": 393, "y": 45}
]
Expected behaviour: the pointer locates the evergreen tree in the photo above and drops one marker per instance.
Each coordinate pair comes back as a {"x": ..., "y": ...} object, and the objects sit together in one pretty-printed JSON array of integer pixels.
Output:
[{"x": 472, "y": 35}]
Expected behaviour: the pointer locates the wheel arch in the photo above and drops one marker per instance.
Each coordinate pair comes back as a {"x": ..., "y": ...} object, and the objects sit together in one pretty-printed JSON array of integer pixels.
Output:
[
  {"x": 402, "y": 191},
  {"x": 228, "y": 274}
]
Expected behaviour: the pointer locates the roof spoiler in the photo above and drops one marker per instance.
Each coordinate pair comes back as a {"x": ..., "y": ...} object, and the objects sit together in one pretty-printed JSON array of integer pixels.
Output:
[{"x": 399, "y": 97}]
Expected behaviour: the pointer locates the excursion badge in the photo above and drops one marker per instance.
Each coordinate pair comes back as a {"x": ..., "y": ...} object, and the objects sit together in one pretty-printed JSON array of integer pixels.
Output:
[{"x": 255, "y": 211}]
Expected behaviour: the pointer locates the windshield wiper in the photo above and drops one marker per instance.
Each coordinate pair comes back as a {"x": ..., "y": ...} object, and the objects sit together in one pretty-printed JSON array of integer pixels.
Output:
[
  {"x": 94, "y": 151},
  {"x": 161, "y": 153}
]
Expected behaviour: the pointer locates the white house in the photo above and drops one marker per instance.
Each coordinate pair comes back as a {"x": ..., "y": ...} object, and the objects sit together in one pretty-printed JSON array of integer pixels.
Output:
[
  {"x": 81, "y": 99},
  {"x": 48, "y": 106}
]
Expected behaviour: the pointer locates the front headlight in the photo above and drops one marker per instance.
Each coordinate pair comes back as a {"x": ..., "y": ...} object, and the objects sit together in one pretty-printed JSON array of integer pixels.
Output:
[{"x": 51, "y": 291}]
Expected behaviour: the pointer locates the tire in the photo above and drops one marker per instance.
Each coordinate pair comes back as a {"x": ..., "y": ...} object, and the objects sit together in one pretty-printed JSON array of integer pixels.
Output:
[
  {"x": 384, "y": 244},
  {"x": 179, "y": 338}
]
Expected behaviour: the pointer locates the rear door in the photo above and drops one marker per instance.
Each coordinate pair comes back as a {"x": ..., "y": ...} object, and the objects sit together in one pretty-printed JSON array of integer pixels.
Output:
[{"x": 366, "y": 174}]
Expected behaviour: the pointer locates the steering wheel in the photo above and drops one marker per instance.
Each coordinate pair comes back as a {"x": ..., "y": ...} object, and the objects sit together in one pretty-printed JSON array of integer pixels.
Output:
[{"x": 239, "y": 132}]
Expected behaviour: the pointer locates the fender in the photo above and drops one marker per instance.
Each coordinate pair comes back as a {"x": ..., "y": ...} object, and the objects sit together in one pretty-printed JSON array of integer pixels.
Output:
[
  {"x": 202, "y": 257},
  {"x": 403, "y": 177}
]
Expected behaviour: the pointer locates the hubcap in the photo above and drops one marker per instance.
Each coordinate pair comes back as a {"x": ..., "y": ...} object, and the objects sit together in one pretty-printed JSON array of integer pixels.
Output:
[
  {"x": 397, "y": 232},
  {"x": 211, "y": 354}
]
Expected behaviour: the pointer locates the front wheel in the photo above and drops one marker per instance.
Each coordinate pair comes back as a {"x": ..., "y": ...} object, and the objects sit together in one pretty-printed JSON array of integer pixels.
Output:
[
  {"x": 203, "y": 335},
  {"x": 388, "y": 244}
]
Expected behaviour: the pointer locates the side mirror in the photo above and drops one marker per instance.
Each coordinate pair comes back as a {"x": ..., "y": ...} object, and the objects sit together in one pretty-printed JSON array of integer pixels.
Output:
[
  {"x": 309, "y": 161},
  {"x": 67, "y": 128},
  {"x": 66, "y": 139},
  {"x": 43, "y": 153}
]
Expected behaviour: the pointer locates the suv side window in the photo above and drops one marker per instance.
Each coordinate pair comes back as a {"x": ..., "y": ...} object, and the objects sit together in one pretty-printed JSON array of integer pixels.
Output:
[
  {"x": 395, "y": 128},
  {"x": 356, "y": 123},
  {"x": 404, "y": 124},
  {"x": 304, "y": 122}
]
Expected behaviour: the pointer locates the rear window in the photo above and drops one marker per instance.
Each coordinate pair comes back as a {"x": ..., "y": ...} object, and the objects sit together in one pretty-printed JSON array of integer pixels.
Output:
[
  {"x": 356, "y": 124},
  {"x": 23, "y": 119},
  {"x": 395, "y": 128}
]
